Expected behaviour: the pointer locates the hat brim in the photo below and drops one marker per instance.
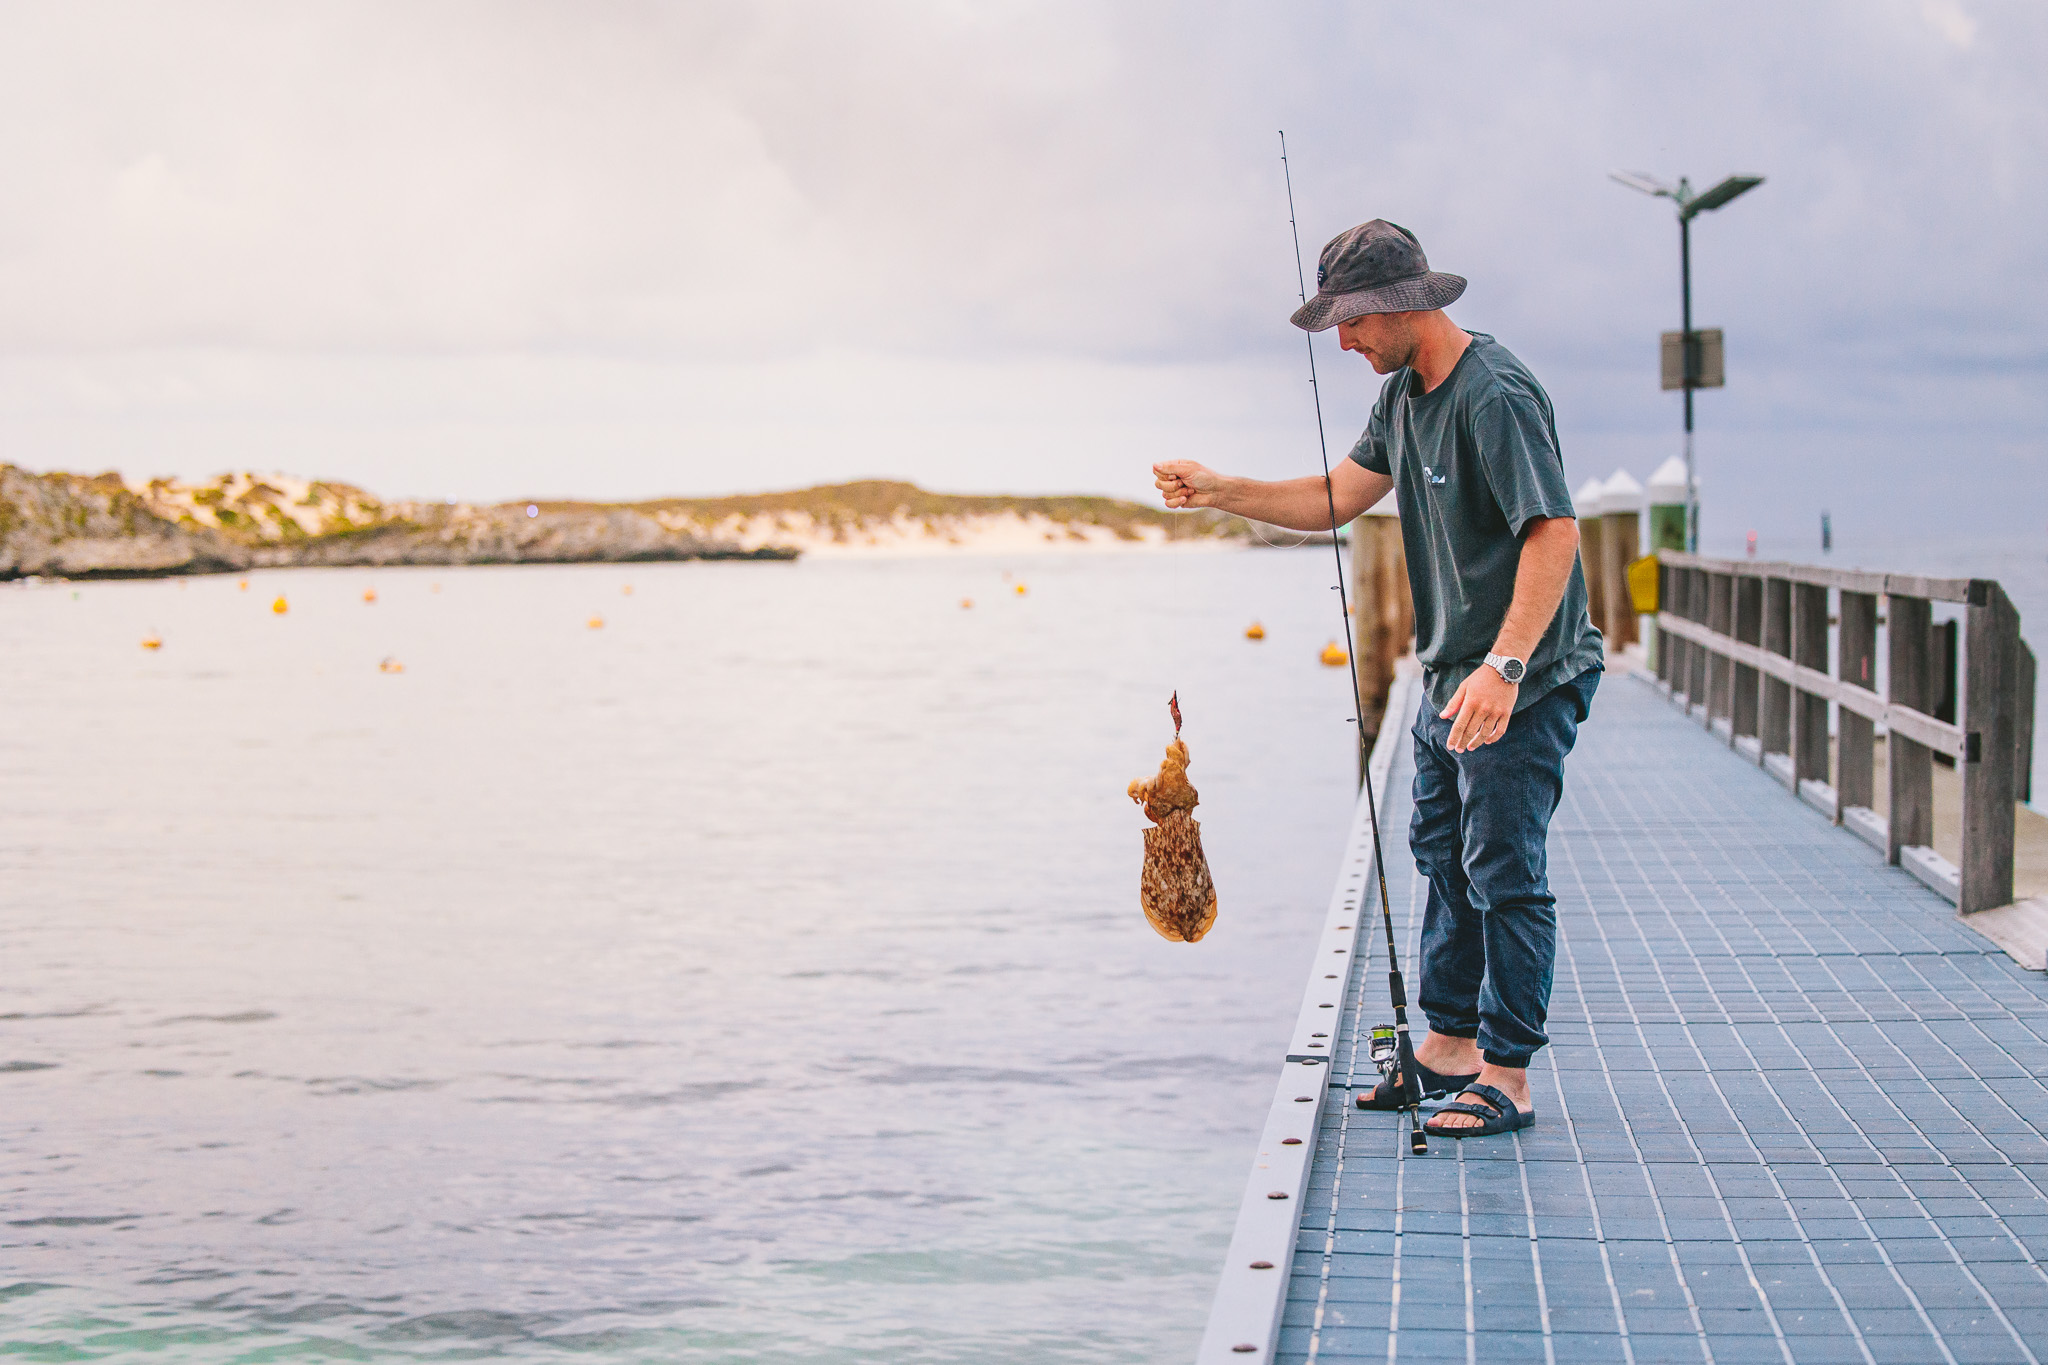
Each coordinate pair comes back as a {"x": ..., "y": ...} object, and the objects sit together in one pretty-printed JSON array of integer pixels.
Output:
[{"x": 1421, "y": 294}]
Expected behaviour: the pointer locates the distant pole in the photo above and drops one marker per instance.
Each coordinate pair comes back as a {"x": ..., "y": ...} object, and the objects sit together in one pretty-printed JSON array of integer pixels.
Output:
[
  {"x": 1692, "y": 369},
  {"x": 1690, "y": 203}
]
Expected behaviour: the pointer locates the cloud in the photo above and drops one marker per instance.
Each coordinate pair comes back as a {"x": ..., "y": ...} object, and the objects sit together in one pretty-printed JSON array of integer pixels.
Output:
[
  {"x": 481, "y": 248},
  {"x": 1946, "y": 17}
]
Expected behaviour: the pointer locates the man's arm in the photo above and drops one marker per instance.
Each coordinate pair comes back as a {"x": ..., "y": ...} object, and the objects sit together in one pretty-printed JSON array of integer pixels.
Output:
[
  {"x": 1485, "y": 701},
  {"x": 1297, "y": 504}
]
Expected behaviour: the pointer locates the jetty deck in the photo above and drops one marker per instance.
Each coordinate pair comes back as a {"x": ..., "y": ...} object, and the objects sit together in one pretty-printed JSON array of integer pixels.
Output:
[{"x": 1793, "y": 1108}]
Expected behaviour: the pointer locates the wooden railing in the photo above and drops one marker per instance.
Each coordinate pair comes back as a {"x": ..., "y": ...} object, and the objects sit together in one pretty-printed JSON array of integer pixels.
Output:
[{"x": 1744, "y": 646}]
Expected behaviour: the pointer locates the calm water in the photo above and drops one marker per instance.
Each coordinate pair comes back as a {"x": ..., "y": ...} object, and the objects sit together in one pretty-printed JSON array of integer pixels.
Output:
[{"x": 757, "y": 978}]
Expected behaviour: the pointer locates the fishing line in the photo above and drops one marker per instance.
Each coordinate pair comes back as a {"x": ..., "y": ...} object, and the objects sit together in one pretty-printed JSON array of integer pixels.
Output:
[
  {"x": 1260, "y": 536},
  {"x": 1408, "y": 1081}
]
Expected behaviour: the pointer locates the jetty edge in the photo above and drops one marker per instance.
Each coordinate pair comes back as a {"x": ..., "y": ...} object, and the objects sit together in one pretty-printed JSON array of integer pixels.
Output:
[{"x": 1244, "y": 1317}]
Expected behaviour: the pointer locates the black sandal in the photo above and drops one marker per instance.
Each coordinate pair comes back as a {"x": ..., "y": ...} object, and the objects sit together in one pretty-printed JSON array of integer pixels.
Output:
[
  {"x": 1434, "y": 1085},
  {"x": 1496, "y": 1114}
]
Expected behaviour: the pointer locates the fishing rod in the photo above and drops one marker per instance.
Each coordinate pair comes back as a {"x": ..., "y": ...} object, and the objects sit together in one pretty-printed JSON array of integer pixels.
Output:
[{"x": 1394, "y": 1056}]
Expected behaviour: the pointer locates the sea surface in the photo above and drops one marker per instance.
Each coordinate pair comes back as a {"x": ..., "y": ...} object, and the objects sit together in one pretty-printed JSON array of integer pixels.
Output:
[{"x": 757, "y": 977}]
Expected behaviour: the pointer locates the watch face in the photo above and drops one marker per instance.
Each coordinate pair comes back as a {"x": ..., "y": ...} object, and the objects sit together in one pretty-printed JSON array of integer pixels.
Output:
[{"x": 1512, "y": 669}]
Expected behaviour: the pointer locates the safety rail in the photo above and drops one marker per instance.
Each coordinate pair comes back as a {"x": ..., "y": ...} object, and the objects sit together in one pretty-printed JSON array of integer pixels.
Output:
[{"x": 1745, "y": 646}]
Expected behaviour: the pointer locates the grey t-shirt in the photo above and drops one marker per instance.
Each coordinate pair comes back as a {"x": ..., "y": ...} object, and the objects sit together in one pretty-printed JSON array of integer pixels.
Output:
[{"x": 1473, "y": 461}]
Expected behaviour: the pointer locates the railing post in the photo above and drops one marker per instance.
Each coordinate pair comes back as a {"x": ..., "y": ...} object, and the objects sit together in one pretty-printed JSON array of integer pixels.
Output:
[
  {"x": 2023, "y": 738},
  {"x": 1663, "y": 649},
  {"x": 1720, "y": 668},
  {"x": 1909, "y": 766},
  {"x": 1696, "y": 693},
  {"x": 1682, "y": 649},
  {"x": 1856, "y": 736},
  {"x": 1749, "y": 613},
  {"x": 1809, "y": 712},
  {"x": 1990, "y": 689},
  {"x": 1775, "y": 727}
]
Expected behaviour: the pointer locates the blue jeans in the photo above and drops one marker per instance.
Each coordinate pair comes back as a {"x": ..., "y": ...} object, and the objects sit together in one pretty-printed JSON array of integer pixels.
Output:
[{"x": 1482, "y": 818}]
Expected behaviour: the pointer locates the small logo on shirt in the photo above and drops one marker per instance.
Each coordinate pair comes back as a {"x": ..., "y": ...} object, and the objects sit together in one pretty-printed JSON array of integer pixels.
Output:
[{"x": 1434, "y": 476}]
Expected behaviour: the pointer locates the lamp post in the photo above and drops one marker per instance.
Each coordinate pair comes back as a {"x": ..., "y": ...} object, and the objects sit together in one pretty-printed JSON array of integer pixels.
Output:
[{"x": 1690, "y": 204}]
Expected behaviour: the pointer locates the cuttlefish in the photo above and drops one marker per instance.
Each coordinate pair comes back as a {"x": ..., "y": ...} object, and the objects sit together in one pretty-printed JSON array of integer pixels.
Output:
[{"x": 1175, "y": 888}]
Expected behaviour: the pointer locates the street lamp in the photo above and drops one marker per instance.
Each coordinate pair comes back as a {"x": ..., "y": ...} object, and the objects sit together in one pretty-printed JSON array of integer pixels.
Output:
[{"x": 1690, "y": 203}]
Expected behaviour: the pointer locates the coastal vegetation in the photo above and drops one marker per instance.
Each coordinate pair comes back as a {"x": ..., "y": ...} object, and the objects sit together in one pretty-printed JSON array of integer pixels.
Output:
[{"x": 102, "y": 525}]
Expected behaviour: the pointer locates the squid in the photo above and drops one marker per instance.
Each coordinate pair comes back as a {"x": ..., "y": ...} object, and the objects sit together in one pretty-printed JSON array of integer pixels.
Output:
[{"x": 1175, "y": 888}]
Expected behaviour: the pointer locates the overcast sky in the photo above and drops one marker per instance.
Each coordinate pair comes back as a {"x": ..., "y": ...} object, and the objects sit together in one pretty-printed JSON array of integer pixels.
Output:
[{"x": 499, "y": 249}]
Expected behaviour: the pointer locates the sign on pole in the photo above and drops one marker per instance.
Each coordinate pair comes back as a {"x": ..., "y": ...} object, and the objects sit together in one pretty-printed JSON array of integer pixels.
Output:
[{"x": 1705, "y": 356}]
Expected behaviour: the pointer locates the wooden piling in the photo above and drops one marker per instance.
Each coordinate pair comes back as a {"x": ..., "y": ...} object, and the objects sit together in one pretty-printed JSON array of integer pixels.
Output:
[
  {"x": 1621, "y": 506},
  {"x": 1383, "y": 612},
  {"x": 1586, "y": 503}
]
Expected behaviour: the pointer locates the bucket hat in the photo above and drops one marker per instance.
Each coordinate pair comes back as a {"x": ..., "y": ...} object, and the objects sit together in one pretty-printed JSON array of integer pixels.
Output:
[{"x": 1376, "y": 267}]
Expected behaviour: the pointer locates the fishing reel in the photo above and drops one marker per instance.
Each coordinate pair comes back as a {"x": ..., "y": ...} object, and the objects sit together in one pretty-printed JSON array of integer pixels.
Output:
[
  {"x": 1384, "y": 1048},
  {"x": 1385, "y": 1051}
]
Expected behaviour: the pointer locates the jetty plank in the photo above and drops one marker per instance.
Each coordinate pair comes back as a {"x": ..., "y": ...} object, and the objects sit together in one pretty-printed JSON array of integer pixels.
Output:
[{"x": 1793, "y": 1108}]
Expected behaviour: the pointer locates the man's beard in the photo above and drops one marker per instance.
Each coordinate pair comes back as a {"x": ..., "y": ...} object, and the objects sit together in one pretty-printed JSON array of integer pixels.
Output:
[{"x": 1401, "y": 353}]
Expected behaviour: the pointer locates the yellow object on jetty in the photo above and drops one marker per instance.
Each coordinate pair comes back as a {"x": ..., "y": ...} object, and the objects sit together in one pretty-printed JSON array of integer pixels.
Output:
[
  {"x": 1334, "y": 655},
  {"x": 280, "y": 606},
  {"x": 152, "y": 641},
  {"x": 966, "y": 604},
  {"x": 369, "y": 594},
  {"x": 1642, "y": 584},
  {"x": 243, "y": 585},
  {"x": 1255, "y": 631},
  {"x": 597, "y": 623},
  {"x": 1021, "y": 590}
]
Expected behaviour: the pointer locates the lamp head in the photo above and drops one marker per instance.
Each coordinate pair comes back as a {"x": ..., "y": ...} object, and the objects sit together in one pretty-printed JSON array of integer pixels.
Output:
[{"x": 1720, "y": 194}]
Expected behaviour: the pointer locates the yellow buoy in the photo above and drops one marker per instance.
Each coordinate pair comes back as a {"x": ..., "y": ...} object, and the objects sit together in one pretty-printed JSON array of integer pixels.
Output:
[
  {"x": 966, "y": 603},
  {"x": 1255, "y": 631},
  {"x": 390, "y": 665},
  {"x": 626, "y": 591},
  {"x": 280, "y": 606},
  {"x": 597, "y": 623},
  {"x": 152, "y": 642},
  {"x": 369, "y": 594},
  {"x": 1021, "y": 590},
  {"x": 243, "y": 585},
  {"x": 1334, "y": 656}
]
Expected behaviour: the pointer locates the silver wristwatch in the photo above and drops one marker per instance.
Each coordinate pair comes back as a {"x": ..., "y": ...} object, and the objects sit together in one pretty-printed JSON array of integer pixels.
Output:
[{"x": 1511, "y": 669}]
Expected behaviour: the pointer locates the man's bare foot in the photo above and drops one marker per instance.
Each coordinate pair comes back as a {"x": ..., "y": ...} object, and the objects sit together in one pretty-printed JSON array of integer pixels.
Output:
[
  {"x": 1448, "y": 1056},
  {"x": 1511, "y": 1081}
]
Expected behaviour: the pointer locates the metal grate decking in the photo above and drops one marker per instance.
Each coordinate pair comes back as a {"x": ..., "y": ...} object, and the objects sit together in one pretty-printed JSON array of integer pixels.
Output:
[{"x": 1793, "y": 1110}]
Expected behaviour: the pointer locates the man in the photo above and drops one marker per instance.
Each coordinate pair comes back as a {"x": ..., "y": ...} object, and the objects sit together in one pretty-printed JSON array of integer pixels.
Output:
[{"x": 1465, "y": 437}]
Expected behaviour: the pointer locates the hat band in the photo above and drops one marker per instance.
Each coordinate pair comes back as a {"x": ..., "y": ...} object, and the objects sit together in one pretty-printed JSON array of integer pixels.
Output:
[{"x": 1327, "y": 292}]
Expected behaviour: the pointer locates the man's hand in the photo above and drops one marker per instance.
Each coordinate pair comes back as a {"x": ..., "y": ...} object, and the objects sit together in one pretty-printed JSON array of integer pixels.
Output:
[
  {"x": 1183, "y": 483},
  {"x": 1484, "y": 704},
  {"x": 1297, "y": 504}
]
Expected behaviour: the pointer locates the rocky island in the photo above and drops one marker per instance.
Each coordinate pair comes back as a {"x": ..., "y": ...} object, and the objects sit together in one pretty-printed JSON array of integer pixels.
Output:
[{"x": 104, "y": 526}]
